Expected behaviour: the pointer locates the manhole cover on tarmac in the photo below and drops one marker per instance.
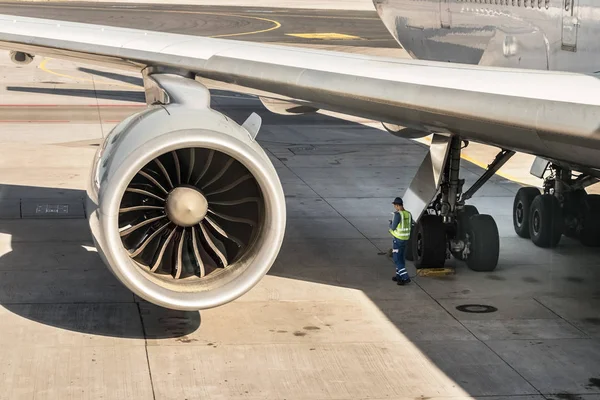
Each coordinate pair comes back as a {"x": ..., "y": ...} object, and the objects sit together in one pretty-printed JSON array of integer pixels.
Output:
[{"x": 476, "y": 308}]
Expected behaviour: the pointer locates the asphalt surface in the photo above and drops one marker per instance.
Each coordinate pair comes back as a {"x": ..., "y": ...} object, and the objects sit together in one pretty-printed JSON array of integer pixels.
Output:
[
  {"x": 239, "y": 23},
  {"x": 326, "y": 322},
  {"x": 109, "y": 113}
]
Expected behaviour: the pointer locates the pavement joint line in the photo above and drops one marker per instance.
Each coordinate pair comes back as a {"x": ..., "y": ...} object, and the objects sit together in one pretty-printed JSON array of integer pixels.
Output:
[
  {"x": 98, "y": 109},
  {"x": 329, "y": 204},
  {"x": 145, "y": 346},
  {"x": 560, "y": 317},
  {"x": 483, "y": 342}
]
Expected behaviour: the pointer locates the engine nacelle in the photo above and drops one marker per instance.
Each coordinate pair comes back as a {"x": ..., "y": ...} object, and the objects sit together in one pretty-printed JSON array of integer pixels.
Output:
[
  {"x": 20, "y": 58},
  {"x": 185, "y": 208}
]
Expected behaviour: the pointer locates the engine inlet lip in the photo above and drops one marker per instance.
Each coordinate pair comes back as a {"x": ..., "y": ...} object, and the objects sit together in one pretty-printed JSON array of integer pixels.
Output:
[{"x": 238, "y": 281}]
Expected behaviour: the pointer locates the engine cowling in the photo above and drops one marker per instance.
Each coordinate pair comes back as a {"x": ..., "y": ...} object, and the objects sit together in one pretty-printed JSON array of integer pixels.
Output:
[{"x": 185, "y": 208}]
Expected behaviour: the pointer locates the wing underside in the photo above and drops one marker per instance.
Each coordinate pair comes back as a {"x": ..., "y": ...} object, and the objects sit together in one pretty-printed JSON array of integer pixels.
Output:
[{"x": 537, "y": 112}]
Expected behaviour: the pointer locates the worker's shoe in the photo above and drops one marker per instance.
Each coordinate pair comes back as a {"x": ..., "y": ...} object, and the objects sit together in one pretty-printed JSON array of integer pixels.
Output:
[{"x": 402, "y": 282}]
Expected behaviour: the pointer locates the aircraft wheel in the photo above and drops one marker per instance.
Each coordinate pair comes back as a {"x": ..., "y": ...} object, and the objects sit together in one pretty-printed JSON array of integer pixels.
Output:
[
  {"x": 409, "y": 247},
  {"x": 521, "y": 210},
  {"x": 590, "y": 231},
  {"x": 463, "y": 225},
  {"x": 573, "y": 212},
  {"x": 484, "y": 243},
  {"x": 429, "y": 245},
  {"x": 545, "y": 221}
]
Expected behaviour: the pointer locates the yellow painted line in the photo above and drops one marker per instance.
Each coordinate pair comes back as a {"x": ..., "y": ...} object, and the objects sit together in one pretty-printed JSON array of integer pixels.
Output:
[
  {"x": 134, "y": 8},
  {"x": 326, "y": 17},
  {"x": 480, "y": 164},
  {"x": 435, "y": 271},
  {"x": 324, "y": 36},
  {"x": 484, "y": 166},
  {"x": 276, "y": 24}
]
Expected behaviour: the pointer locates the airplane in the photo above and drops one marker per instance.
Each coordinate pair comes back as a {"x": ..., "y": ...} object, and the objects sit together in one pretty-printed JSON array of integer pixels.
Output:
[{"x": 187, "y": 210}]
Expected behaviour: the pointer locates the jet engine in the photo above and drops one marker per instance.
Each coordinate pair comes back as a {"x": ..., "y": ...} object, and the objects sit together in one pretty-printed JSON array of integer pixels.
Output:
[{"x": 185, "y": 208}]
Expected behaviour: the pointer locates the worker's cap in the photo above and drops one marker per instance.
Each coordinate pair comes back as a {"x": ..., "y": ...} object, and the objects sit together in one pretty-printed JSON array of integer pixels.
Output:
[{"x": 398, "y": 200}]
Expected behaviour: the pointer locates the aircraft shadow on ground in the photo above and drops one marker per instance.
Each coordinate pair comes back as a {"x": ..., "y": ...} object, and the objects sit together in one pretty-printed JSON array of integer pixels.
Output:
[
  {"x": 66, "y": 285},
  {"x": 121, "y": 95},
  {"x": 132, "y": 80},
  {"x": 105, "y": 315},
  {"x": 372, "y": 280}
]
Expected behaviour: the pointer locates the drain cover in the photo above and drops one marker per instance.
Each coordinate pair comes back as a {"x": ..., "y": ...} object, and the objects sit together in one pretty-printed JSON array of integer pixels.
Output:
[
  {"x": 52, "y": 209},
  {"x": 58, "y": 208},
  {"x": 476, "y": 308}
]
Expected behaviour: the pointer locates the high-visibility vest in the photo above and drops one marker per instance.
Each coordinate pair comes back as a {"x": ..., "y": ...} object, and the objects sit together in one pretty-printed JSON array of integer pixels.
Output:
[{"x": 402, "y": 231}]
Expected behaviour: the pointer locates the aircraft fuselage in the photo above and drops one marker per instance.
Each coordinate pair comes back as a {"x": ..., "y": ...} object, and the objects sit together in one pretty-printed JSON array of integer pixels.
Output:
[{"x": 556, "y": 35}]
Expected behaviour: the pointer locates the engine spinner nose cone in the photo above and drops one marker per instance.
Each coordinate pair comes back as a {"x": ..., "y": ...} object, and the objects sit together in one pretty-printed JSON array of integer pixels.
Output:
[{"x": 186, "y": 206}]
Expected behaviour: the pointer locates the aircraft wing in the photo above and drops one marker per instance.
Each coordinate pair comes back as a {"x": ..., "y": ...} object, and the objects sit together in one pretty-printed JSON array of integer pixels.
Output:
[{"x": 538, "y": 112}]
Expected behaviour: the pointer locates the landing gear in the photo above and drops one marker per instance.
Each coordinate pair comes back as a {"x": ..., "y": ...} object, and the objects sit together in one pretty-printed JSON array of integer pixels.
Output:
[
  {"x": 429, "y": 246},
  {"x": 521, "y": 210},
  {"x": 562, "y": 208},
  {"x": 484, "y": 243},
  {"x": 463, "y": 224},
  {"x": 447, "y": 226},
  {"x": 589, "y": 234},
  {"x": 545, "y": 221}
]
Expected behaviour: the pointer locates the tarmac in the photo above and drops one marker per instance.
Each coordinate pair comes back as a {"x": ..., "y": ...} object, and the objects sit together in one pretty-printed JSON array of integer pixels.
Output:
[
  {"x": 362, "y": 5},
  {"x": 327, "y": 322}
]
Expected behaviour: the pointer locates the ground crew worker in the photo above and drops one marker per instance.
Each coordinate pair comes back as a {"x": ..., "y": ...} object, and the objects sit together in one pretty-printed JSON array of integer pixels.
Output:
[{"x": 400, "y": 230}]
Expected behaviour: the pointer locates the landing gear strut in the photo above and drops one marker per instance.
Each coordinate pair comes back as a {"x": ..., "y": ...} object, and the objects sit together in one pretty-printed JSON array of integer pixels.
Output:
[
  {"x": 562, "y": 207},
  {"x": 447, "y": 226}
]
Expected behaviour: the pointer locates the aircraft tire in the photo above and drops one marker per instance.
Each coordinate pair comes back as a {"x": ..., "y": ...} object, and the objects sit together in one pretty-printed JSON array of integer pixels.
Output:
[
  {"x": 429, "y": 244},
  {"x": 574, "y": 212},
  {"x": 545, "y": 221},
  {"x": 590, "y": 231},
  {"x": 409, "y": 249},
  {"x": 484, "y": 243},
  {"x": 521, "y": 210}
]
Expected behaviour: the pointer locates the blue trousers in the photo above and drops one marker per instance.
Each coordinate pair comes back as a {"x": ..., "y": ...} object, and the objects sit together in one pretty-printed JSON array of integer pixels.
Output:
[{"x": 398, "y": 253}]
